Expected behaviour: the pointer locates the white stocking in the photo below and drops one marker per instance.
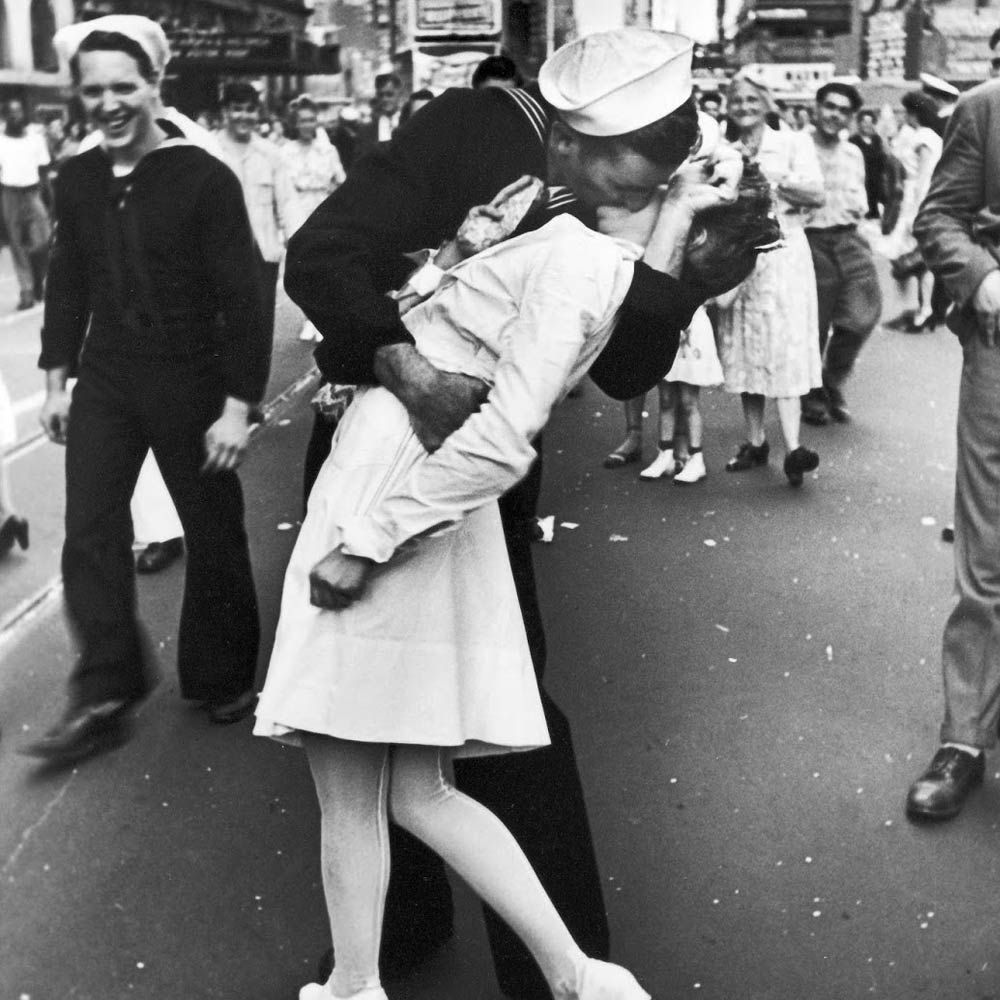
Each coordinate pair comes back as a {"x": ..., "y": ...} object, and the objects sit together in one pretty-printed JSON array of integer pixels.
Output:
[
  {"x": 351, "y": 783},
  {"x": 485, "y": 854}
]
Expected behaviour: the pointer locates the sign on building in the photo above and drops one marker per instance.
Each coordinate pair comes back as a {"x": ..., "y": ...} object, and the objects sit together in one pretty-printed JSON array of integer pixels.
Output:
[
  {"x": 436, "y": 18},
  {"x": 792, "y": 79}
]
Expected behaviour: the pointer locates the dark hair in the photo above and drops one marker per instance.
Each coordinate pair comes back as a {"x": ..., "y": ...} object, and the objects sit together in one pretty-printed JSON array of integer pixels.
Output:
[
  {"x": 665, "y": 142},
  {"x": 496, "y": 68},
  {"x": 240, "y": 92},
  {"x": 383, "y": 78},
  {"x": 924, "y": 107},
  {"x": 844, "y": 89},
  {"x": 418, "y": 95},
  {"x": 302, "y": 103},
  {"x": 113, "y": 41},
  {"x": 868, "y": 113},
  {"x": 726, "y": 240}
]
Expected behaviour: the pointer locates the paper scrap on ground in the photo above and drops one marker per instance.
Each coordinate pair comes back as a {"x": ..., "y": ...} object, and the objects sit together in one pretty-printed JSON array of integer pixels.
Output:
[{"x": 546, "y": 525}]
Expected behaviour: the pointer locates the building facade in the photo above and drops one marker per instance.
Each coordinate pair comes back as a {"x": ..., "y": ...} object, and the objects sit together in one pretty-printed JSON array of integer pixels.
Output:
[{"x": 29, "y": 68}]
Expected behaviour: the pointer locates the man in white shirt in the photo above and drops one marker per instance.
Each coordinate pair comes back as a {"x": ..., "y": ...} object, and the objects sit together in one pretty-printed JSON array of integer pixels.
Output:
[{"x": 24, "y": 156}]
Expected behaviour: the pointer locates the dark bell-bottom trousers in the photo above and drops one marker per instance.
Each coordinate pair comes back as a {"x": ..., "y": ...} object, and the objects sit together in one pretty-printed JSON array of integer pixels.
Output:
[
  {"x": 121, "y": 407},
  {"x": 538, "y": 795}
]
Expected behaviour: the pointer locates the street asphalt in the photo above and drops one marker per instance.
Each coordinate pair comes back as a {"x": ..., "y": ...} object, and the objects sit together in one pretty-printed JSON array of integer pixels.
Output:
[{"x": 752, "y": 673}]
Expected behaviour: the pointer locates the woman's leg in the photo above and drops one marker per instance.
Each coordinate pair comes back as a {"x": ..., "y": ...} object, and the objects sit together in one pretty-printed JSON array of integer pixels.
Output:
[
  {"x": 484, "y": 853},
  {"x": 790, "y": 416},
  {"x": 630, "y": 449},
  {"x": 352, "y": 784},
  {"x": 664, "y": 463},
  {"x": 692, "y": 414},
  {"x": 668, "y": 425},
  {"x": 753, "y": 413}
]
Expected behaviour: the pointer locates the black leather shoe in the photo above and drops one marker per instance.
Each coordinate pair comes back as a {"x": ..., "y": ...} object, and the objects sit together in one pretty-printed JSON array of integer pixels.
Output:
[
  {"x": 13, "y": 529},
  {"x": 226, "y": 712},
  {"x": 397, "y": 960},
  {"x": 159, "y": 555},
  {"x": 748, "y": 456},
  {"x": 85, "y": 731},
  {"x": 799, "y": 462},
  {"x": 941, "y": 791},
  {"x": 838, "y": 406}
]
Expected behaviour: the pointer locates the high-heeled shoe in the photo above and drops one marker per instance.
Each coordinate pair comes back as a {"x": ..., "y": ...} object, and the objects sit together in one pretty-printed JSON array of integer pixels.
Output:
[
  {"x": 13, "y": 529},
  {"x": 604, "y": 981}
]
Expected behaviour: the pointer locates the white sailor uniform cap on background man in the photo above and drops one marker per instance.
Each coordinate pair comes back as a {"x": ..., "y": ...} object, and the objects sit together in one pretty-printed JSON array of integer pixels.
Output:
[
  {"x": 614, "y": 82},
  {"x": 937, "y": 87},
  {"x": 147, "y": 33}
]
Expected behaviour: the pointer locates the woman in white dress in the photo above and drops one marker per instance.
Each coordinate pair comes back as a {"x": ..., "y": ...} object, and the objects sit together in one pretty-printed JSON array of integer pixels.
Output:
[
  {"x": 315, "y": 170},
  {"x": 430, "y": 661},
  {"x": 768, "y": 328},
  {"x": 919, "y": 155}
]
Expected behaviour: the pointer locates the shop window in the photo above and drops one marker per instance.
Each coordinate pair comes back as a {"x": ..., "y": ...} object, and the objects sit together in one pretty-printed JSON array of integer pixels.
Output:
[{"x": 43, "y": 27}]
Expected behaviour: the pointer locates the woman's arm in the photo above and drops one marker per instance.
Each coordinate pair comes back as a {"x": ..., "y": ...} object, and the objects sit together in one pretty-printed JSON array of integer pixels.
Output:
[{"x": 573, "y": 287}]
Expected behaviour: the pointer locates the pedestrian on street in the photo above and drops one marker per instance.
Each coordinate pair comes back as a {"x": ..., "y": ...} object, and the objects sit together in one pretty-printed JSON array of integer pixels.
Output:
[
  {"x": 767, "y": 327},
  {"x": 412, "y": 193},
  {"x": 267, "y": 187},
  {"x": 24, "y": 162},
  {"x": 848, "y": 292},
  {"x": 959, "y": 238},
  {"x": 387, "y": 107},
  {"x": 918, "y": 147},
  {"x": 873, "y": 150},
  {"x": 153, "y": 249},
  {"x": 13, "y": 527},
  {"x": 315, "y": 171},
  {"x": 679, "y": 455},
  {"x": 382, "y": 697}
]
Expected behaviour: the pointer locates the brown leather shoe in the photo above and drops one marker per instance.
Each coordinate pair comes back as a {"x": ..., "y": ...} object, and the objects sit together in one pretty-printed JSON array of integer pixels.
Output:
[
  {"x": 85, "y": 731},
  {"x": 941, "y": 791}
]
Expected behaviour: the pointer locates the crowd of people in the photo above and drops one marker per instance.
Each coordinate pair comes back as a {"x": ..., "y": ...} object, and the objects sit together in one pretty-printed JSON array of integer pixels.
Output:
[{"x": 616, "y": 229}]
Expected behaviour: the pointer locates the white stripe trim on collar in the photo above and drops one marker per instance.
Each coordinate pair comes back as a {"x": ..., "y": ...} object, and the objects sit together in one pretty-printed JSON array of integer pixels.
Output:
[{"x": 532, "y": 111}]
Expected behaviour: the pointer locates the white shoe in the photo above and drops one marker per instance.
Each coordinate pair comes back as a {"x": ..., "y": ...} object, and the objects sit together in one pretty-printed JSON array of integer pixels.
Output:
[
  {"x": 321, "y": 991},
  {"x": 693, "y": 471},
  {"x": 662, "y": 465},
  {"x": 604, "y": 981}
]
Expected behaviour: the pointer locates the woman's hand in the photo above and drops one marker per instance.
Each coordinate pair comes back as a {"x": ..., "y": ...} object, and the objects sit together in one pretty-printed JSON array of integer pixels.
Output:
[{"x": 338, "y": 580}]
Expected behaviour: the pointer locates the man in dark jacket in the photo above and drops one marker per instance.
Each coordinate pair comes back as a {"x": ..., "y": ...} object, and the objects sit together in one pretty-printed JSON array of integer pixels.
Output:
[
  {"x": 619, "y": 133},
  {"x": 958, "y": 228}
]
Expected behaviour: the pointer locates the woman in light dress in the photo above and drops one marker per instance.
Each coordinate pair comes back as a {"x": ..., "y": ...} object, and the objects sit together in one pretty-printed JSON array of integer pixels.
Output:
[
  {"x": 420, "y": 655},
  {"x": 918, "y": 148},
  {"x": 315, "y": 169},
  {"x": 769, "y": 327}
]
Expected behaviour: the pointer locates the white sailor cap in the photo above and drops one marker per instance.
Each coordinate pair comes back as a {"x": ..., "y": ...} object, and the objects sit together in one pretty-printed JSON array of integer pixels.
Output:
[
  {"x": 614, "y": 82},
  {"x": 937, "y": 87},
  {"x": 142, "y": 30}
]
